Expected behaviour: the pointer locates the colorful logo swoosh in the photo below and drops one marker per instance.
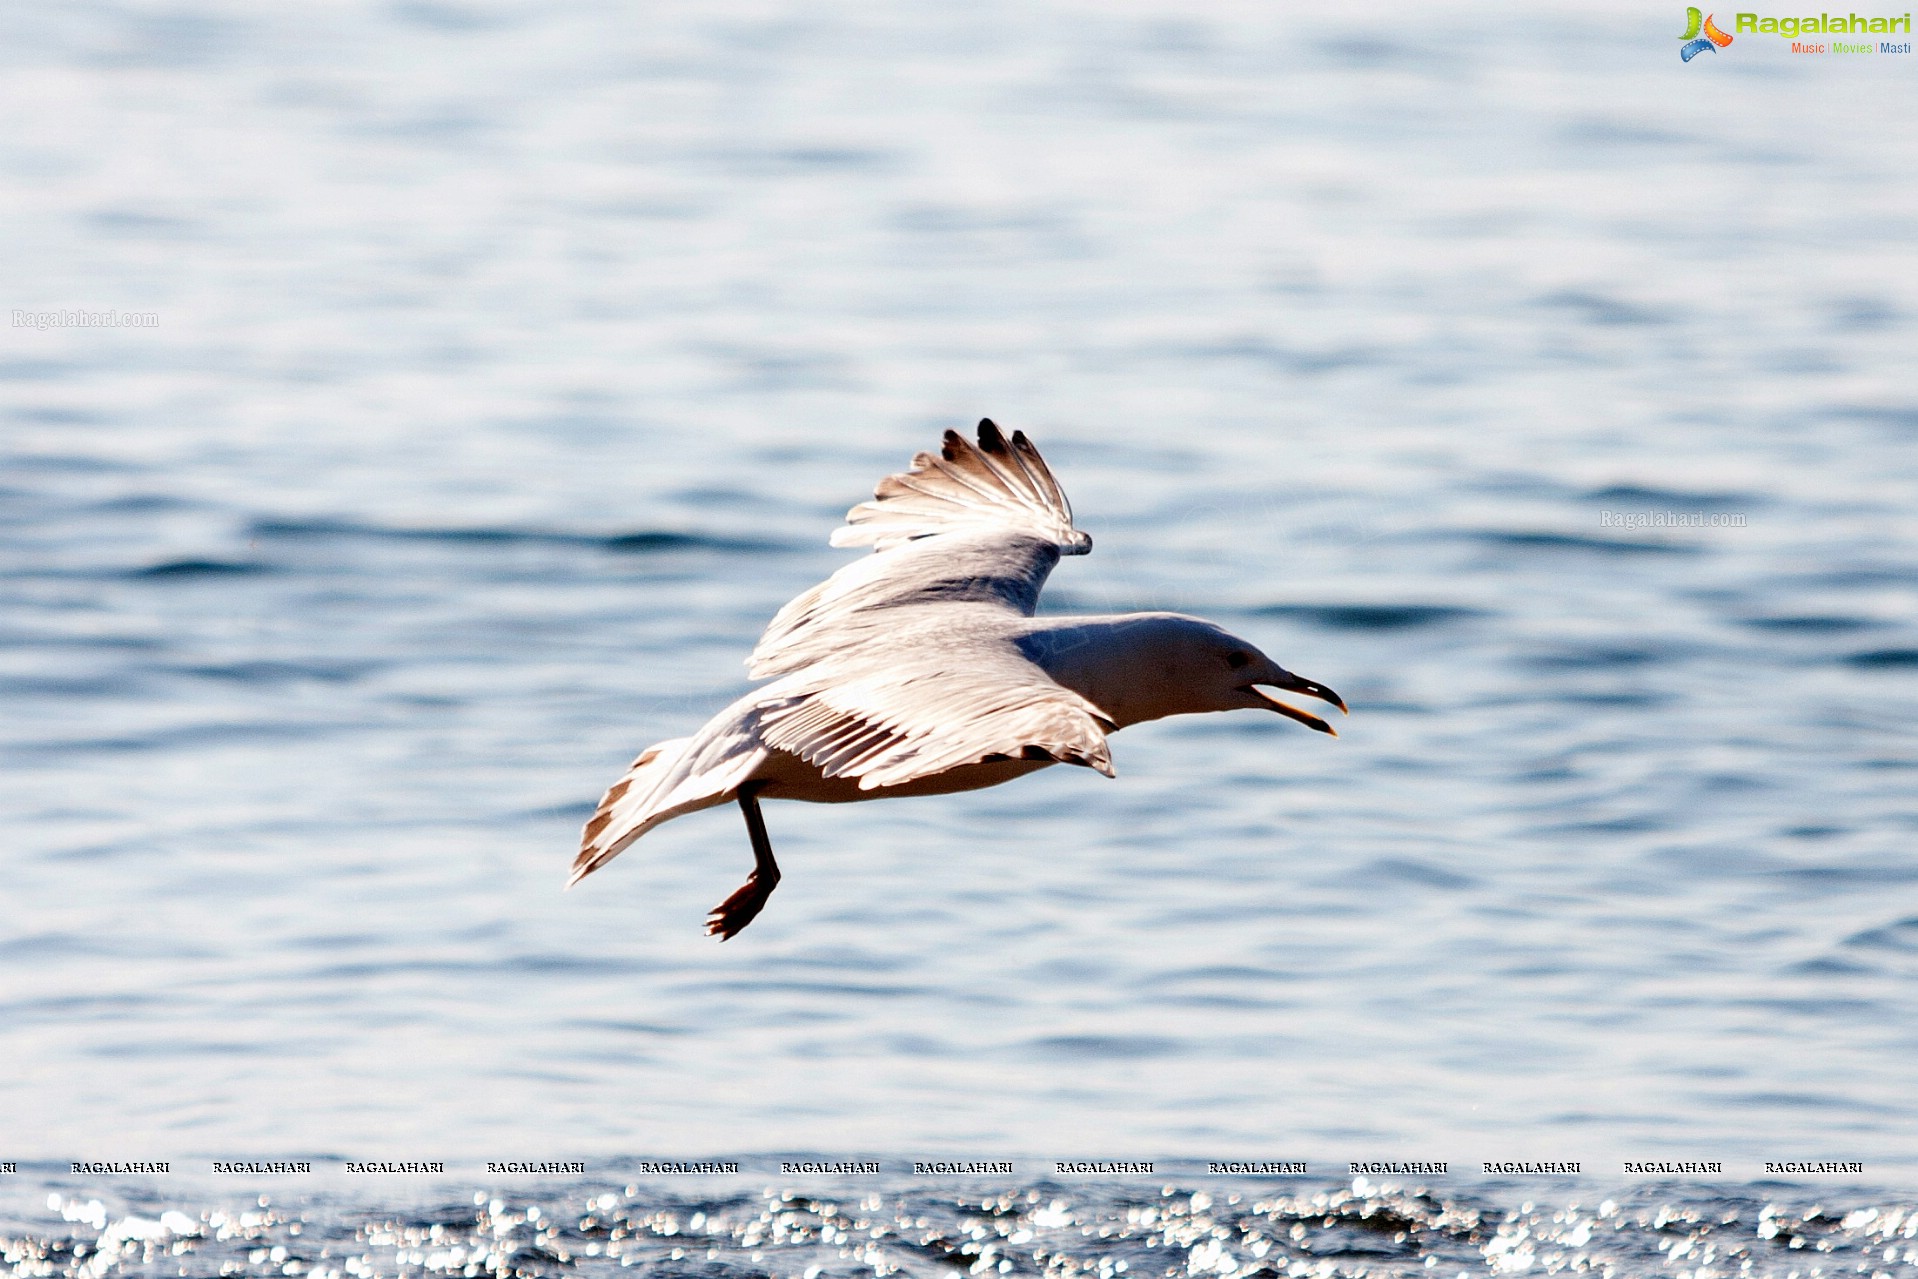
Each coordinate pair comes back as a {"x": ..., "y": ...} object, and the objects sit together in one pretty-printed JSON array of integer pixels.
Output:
[{"x": 1697, "y": 21}]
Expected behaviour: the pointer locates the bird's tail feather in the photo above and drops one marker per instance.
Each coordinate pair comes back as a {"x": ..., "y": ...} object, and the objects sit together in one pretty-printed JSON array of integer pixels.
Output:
[
  {"x": 668, "y": 780},
  {"x": 630, "y": 806}
]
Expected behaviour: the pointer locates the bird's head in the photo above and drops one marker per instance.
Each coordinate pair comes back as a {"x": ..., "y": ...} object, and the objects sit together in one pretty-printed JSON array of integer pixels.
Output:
[{"x": 1198, "y": 666}]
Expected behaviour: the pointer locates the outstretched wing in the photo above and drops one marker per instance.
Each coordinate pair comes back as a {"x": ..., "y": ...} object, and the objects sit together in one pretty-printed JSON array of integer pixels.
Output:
[
  {"x": 977, "y": 524},
  {"x": 898, "y": 712},
  {"x": 1000, "y": 485}
]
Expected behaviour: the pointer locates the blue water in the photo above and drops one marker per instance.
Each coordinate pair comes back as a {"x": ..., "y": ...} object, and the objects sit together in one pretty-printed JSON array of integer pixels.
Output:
[{"x": 513, "y": 363}]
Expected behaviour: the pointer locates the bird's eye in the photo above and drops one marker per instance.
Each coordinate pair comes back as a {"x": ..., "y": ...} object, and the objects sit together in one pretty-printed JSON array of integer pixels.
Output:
[{"x": 1239, "y": 659}]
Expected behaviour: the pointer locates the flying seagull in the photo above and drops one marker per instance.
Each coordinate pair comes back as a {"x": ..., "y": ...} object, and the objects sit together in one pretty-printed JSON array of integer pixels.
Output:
[{"x": 921, "y": 670}]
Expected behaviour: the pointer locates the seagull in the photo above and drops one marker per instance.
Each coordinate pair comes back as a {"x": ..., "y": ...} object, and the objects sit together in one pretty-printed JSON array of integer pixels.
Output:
[{"x": 921, "y": 669}]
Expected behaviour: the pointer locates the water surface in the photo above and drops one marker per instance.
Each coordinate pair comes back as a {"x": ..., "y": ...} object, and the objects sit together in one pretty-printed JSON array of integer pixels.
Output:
[{"x": 513, "y": 364}]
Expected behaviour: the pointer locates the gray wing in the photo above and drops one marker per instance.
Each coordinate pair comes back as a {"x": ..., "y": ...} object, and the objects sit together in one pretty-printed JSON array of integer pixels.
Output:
[
  {"x": 926, "y": 696},
  {"x": 978, "y": 525}
]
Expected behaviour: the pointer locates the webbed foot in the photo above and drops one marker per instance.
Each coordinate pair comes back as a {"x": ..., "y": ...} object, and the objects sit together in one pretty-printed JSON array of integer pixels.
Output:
[{"x": 726, "y": 919}]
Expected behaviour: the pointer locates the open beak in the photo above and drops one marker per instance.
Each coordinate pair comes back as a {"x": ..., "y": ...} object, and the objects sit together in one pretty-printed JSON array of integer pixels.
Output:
[{"x": 1295, "y": 684}]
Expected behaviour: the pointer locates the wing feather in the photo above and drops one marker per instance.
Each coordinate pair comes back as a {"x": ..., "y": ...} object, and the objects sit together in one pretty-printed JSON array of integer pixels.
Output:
[
  {"x": 996, "y": 483},
  {"x": 903, "y": 717},
  {"x": 1040, "y": 473},
  {"x": 1010, "y": 464},
  {"x": 974, "y": 523}
]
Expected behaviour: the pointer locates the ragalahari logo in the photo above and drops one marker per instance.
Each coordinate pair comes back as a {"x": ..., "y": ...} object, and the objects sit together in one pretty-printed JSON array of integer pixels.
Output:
[{"x": 1695, "y": 44}]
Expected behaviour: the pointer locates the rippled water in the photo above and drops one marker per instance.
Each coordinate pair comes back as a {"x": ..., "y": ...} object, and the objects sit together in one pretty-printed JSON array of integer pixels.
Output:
[
  {"x": 1049, "y": 1229},
  {"x": 513, "y": 363}
]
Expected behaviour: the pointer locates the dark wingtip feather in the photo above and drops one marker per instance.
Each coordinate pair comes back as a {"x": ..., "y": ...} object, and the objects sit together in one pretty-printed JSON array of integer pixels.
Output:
[{"x": 974, "y": 486}]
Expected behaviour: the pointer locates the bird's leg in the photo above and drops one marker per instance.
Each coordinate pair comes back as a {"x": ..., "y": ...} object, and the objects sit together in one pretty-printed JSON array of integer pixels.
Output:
[{"x": 739, "y": 910}]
